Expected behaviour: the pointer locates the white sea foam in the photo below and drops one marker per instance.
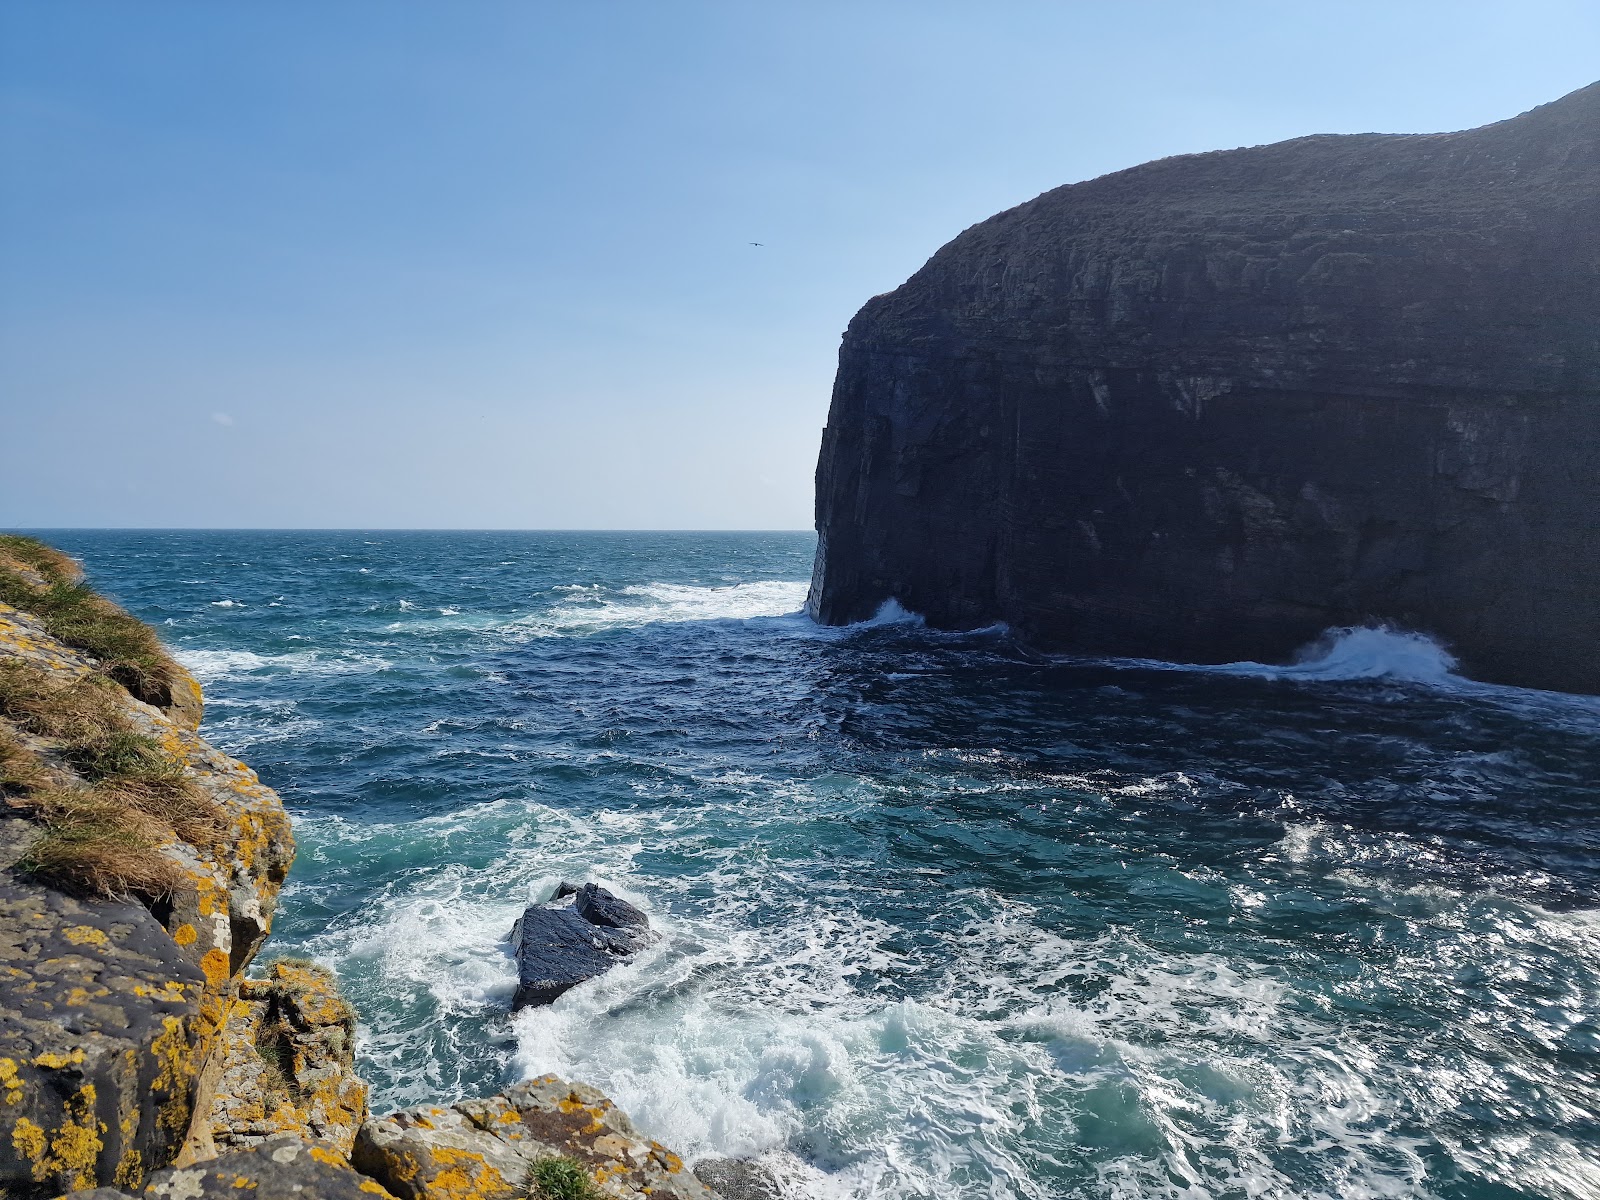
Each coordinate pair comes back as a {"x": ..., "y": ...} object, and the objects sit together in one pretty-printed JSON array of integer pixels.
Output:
[
  {"x": 215, "y": 666},
  {"x": 596, "y": 610},
  {"x": 1361, "y": 653},
  {"x": 892, "y": 612},
  {"x": 740, "y": 1037}
]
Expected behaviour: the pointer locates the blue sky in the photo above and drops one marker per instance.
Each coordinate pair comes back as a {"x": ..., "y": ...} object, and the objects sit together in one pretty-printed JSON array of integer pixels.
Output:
[{"x": 379, "y": 263}]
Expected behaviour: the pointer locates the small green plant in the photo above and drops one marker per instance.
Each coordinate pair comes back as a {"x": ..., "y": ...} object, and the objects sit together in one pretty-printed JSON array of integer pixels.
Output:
[{"x": 560, "y": 1178}]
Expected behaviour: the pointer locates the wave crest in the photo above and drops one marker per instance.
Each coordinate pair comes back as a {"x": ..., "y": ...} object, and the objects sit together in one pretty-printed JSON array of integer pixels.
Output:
[{"x": 1361, "y": 652}]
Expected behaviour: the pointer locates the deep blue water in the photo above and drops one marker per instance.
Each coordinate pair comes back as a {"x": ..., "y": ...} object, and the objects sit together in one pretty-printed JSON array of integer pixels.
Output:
[{"x": 946, "y": 917}]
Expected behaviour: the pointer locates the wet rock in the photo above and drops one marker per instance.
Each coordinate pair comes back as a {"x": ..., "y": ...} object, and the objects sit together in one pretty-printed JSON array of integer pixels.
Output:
[
  {"x": 738, "y": 1179},
  {"x": 484, "y": 1149},
  {"x": 600, "y": 907},
  {"x": 582, "y": 933},
  {"x": 1203, "y": 409},
  {"x": 276, "y": 1169}
]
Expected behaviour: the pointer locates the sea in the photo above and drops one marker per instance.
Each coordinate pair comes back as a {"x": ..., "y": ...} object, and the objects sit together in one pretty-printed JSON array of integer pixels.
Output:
[{"x": 944, "y": 916}]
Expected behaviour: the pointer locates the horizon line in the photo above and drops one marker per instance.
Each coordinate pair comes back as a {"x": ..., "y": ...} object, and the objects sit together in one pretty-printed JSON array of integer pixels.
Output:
[{"x": 26, "y": 529}]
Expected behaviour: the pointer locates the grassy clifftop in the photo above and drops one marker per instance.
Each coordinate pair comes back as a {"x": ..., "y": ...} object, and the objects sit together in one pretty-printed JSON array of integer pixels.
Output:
[{"x": 139, "y": 869}]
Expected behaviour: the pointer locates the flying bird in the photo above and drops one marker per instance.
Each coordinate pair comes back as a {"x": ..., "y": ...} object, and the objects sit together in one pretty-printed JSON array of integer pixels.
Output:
[{"x": 758, "y": 243}]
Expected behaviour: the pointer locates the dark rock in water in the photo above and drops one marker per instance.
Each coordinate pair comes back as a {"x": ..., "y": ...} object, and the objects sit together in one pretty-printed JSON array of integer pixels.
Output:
[
  {"x": 583, "y": 932},
  {"x": 1208, "y": 407},
  {"x": 736, "y": 1179},
  {"x": 600, "y": 907}
]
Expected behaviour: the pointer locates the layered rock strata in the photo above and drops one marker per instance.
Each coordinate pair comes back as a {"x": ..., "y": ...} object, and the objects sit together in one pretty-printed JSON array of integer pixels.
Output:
[
  {"x": 1206, "y": 408},
  {"x": 289, "y": 1063}
]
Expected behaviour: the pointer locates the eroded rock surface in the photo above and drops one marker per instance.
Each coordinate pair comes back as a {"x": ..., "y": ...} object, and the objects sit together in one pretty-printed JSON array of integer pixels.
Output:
[
  {"x": 289, "y": 1064},
  {"x": 738, "y": 1179},
  {"x": 582, "y": 932},
  {"x": 1208, "y": 407},
  {"x": 111, "y": 1012},
  {"x": 484, "y": 1149},
  {"x": 276, "y": 1169}
]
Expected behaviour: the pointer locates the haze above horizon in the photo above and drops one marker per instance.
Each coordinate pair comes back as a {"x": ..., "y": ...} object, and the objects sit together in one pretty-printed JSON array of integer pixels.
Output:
[{"x": 395, "y": 265}]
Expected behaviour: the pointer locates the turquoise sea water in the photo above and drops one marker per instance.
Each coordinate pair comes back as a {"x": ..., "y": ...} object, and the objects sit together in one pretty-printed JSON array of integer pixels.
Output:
[{"x": 945, "y": 917}]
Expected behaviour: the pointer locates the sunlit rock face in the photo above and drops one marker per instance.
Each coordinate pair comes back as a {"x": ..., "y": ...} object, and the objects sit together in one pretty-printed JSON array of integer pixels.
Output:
[{"x": 1205, "y": 408}]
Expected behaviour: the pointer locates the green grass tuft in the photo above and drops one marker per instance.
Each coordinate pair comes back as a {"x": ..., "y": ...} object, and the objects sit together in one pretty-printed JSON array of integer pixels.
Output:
[{"x": 560, "y": 1178}]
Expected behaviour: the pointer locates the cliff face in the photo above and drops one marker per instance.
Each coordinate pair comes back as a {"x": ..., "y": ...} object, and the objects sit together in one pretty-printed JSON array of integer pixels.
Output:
[
  {"x": 120, "y": 941},
  {"x": 1203, "y": 409}
]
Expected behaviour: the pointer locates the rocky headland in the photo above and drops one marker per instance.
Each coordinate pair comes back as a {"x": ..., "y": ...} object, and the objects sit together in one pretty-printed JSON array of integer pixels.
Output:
[
  {"x": 139, "y": 872},
  {"x": 1206, "y": 408}
]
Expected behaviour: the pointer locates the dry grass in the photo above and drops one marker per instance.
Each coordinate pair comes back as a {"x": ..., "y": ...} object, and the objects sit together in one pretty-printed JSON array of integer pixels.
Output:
[
  {"x": 40, "y": 580},
  {"x": 105, "y": 838},
  {"x": 275, "y": 1047},
  {"x": 21, "y": 771},
  {"x": 93, "y": 844}
]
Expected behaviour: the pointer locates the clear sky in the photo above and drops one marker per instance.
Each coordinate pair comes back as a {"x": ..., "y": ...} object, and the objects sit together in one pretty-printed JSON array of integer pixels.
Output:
[{"x": 463, "y": 263}]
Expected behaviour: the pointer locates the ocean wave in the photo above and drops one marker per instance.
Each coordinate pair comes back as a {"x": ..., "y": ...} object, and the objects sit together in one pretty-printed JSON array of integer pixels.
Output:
[
  {"x": 216, "y": 666},
  {"x": 657, "y": 603},
  {"x": 1361, "y": 652}
]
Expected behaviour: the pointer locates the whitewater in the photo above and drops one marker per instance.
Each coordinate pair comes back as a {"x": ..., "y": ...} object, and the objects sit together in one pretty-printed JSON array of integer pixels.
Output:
[{"x": 945, "y": 916}]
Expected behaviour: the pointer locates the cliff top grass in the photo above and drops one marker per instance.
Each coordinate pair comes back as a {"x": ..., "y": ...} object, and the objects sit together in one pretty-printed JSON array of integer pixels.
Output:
[
  {"x": 42, "y": 581},
  {"x": 111, "y": 798}
]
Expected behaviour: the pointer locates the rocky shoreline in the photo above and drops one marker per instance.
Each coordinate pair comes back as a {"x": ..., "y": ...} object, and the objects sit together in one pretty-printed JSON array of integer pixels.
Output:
[{"x": 136, "y": 1056}]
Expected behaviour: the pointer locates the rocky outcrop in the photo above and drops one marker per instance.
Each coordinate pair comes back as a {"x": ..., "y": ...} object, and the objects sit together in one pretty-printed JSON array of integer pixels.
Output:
[
  {"x": 1205, "y": 408},
  {"x": 275, "y": 1169},
  {"x": 580, "y": 933},
  {"x": 289, "y": 1063},
  {"x": 738, "y": 1179},
  {"x": 112, "y": 1008},
  {"x": 486, "y": 1149}
]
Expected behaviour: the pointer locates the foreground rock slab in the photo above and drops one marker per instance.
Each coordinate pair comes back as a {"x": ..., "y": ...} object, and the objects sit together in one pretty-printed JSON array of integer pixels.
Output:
[
  {"x": 278, "y": 1168},
  {"x": 484, "y": 1149},
  {"x": 582, "y": 932}
]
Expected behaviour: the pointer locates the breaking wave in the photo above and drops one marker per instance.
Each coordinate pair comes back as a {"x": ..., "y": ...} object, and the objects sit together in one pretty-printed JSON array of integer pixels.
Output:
[
  {"x": 1361, "y": 653},
  {"x": 596, "y": 609}
]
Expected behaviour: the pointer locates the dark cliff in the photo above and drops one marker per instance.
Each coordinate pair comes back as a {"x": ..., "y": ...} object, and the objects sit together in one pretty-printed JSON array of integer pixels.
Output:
[{"x": 1205, "y": 408}]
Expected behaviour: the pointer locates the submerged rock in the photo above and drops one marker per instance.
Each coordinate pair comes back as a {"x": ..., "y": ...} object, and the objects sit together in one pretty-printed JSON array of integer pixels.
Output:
[
  {"x": 484, "y": 1149},
  {"x": 582, "y": 932},
  {"x": 1206, "y": 408}
]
